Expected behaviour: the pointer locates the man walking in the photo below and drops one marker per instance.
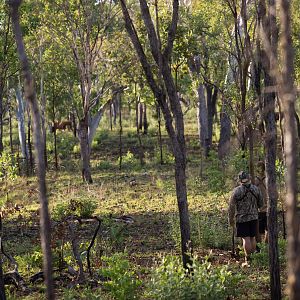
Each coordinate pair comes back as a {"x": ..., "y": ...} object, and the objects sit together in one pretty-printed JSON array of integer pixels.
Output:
[{"x": 245, "y": 201}]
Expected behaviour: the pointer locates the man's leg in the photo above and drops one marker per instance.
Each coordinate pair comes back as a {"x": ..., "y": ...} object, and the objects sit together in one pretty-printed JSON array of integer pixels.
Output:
[
  {"x": 247, "y": 245},
  {"x": 253, "y": 244}
]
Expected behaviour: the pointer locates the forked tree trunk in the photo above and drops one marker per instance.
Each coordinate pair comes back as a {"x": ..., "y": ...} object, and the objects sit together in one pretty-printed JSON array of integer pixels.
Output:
[
  {"x": 30, "y": 96},
  {"x": 171, "y": 108}
]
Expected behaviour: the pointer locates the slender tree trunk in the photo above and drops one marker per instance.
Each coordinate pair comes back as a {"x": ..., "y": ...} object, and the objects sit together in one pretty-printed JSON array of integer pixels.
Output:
[
  {"x": 43, "y": 107},
  {"x": 10, "y": 131},
  {"x": 31, "y": 98},
  {"x": 54, "y": 134},
  {"x": 120, "y": 132},
  {"x": 85, "y": 150},
  {"x": 225, "y": 131},
  {"x": 2, "y": 287},
  {"x": 110, "y": 117},
  {"x": 137, "y": 129},
  {"x": 287, "y": 97},
  {"x": 145, "y": 120},
  {"x": 202, "y": 116},
  {"x": 31, "y": 160},
  {"x": 159, "y": 135},
  {"x": 1, "y": 119},
  {"x": 21, "y": 125},
  {"x": 141, "y": 113}
]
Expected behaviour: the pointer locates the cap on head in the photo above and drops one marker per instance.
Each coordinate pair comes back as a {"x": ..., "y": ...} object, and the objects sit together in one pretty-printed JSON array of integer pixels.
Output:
[{"x": 244, "y": 177}]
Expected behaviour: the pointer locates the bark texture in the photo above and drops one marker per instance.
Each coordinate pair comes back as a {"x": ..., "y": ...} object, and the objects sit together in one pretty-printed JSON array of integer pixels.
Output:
[
  {"x": 30, "y": 96},
  {"x": 287, "y": 97}
]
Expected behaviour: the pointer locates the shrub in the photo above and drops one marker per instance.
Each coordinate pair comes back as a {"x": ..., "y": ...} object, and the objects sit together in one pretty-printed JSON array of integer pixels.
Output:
[
  {"x": 208, "y": 230},
  {"x": 214, "y": 174},
  {"x": 8, "y": 166},
  {"x": 80, "y": 207},
  {"x": 171, "y": 281},
  {"x": 123, "y": 282},
  {"x": 261, "y": 259},
  {"x": 129, "y": 160},
  {"x": 168, "y": 157}
]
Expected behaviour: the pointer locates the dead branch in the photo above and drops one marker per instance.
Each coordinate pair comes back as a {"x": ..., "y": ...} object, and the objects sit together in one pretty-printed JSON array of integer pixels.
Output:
[
  {"x": 75, "y": 248},
  {"x": 91, "y": 244}
]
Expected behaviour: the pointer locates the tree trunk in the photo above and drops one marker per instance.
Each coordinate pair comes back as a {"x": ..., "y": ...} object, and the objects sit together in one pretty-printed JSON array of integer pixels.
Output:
[
  {"x": 21, "y": 125},
  {"x": 1, "y": 120},
  {"x": 287, "y": 97},
  {"x": 85, "y": 150},
  {"x": 159, "y": 135},
  {"x": 120, "y": 132},
  {"x": 225, "y": 131},
  {"x": 141, "y": 113},
  {"x": 270, "y": 148},
  {"x": 141, "y": 153},
  {"x": 202, "y": 117},
  {"x": 269, "y": 27},
  {"x": 30, "y": 95},
  {"x": 10, "y": 131},
  {"x": 31, "y": 162},
  {"x": 171, "y": 109},
  {"x": 145, "y": 120},
  {"x": 2, "y": 287}
]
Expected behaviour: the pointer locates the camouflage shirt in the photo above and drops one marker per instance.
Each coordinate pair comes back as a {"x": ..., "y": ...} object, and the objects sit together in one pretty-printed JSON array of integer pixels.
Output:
[{"x": 244, "y": 203}]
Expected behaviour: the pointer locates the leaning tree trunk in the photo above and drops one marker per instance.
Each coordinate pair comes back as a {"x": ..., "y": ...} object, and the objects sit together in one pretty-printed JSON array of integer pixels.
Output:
[
  {"x": 287, "y": 97},
  {"x": 30, "y": 96},
  {"x": 171, "y": 109}
]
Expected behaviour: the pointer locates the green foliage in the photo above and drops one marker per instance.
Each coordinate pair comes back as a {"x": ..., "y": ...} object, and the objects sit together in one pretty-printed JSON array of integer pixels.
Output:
[
  {"x": 123, "y": 282},
  {"x": 238, "y": 162},
  {"x": 8, "y": 166},
  {"x": 80, "y": 207},
  {"x": 214, "y": 174},
  {"x": 129, "y": 160},
  {"x": 168, "y": 157},
  {"x": 171, "y": 281},
  {"x": 208, "y": 230},
  {"x": 115, "y": 235},
  {"x": 261, "y": 259}
]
